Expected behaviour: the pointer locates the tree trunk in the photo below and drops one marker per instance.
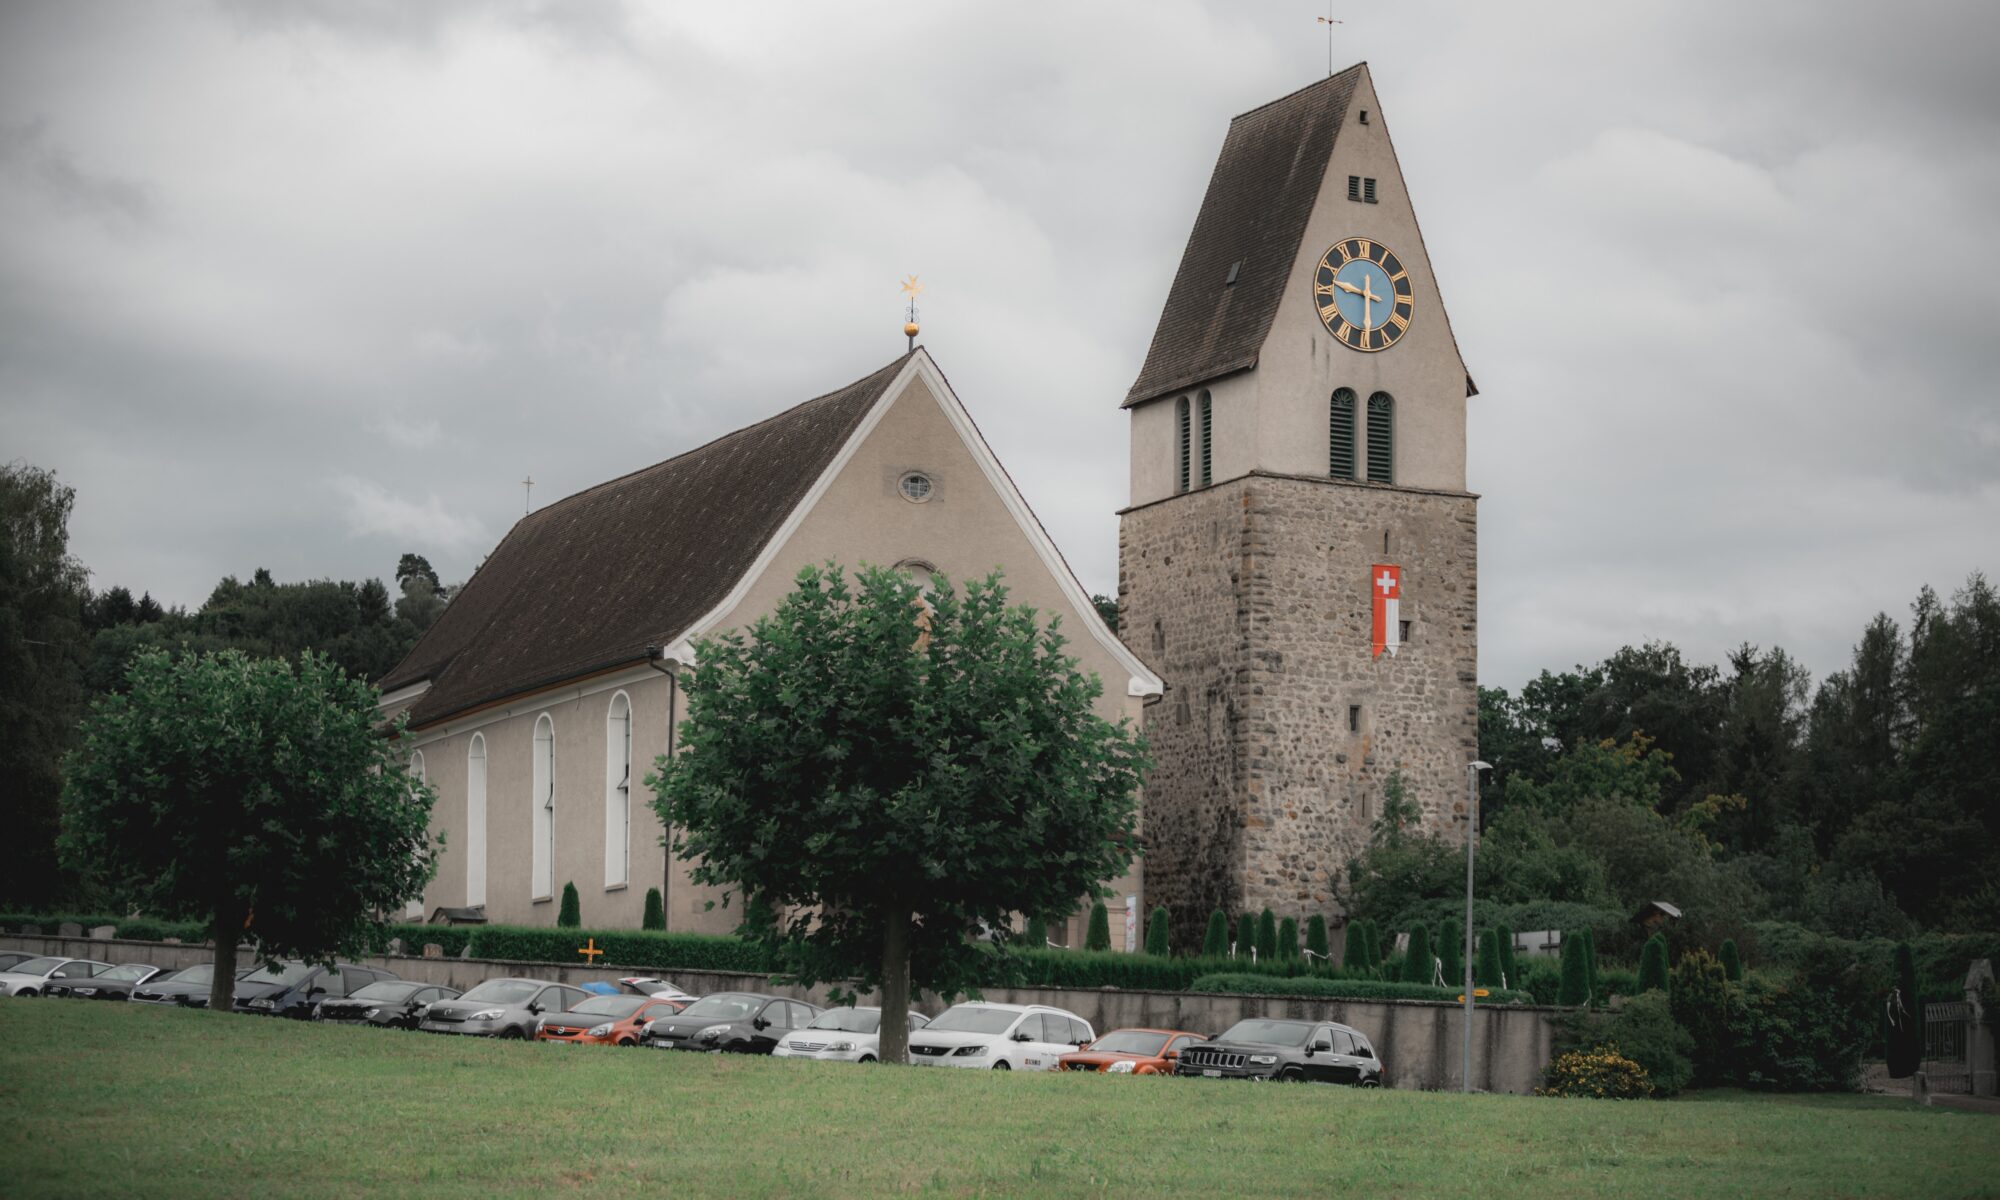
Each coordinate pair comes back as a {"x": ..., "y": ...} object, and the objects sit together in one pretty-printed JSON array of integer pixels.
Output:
[
  {"x": 228, "y": 930},
  {"x": 895, "y": 1041}
]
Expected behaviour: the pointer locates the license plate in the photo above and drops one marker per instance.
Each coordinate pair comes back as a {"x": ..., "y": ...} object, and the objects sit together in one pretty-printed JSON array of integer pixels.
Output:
[{"x": 1211, "y": 1073}]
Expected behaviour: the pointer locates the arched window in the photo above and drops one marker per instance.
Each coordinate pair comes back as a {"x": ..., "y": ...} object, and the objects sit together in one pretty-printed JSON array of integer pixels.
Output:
[
  {"x": 618, "y": 792},
  {"x": 475, "y": 822},
  {"x": 1207, "y": 426},
  {"x": 542, "y": 879},
  {"x": 1381, "y": 438},
  {"x": 1340, "y": 452},
  {"x": 1184, "y": 434},
  {"x": 415, "y": 908}
]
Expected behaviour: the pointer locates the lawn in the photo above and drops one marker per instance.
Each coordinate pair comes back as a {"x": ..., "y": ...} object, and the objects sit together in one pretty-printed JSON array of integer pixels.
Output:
[{"x": 116, "y": 1099}]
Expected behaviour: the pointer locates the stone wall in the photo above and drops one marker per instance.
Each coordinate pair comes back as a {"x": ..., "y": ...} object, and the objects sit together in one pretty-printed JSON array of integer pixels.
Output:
[
  {"x": 1419, "y": 1041},
  {"x": 1279, "y": 728}
]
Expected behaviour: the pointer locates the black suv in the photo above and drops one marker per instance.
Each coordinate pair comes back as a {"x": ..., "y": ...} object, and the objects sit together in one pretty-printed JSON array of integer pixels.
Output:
[
  {"x": 1288, "y": 1051},
  {"x": 737, "y": 1022},
  {"x": 282, "y": 989}
]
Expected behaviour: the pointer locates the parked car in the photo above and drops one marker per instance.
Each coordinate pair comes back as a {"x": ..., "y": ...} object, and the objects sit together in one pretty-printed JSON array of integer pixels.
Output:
[
  {"x": 10, "y": 958},
  {"x": 33, "y": 976},
  {"x": 283, "y": 989},
  {"x": 1132, "y": 1052},
  {"x": 114, "y": 984},
  {"x": 841, "y": 1035},
  {"x": 392, "y": 1003},
  {"x": 502, "y": 1008},
  {"x": 732, "y": 1022},
  {"x": 606, "y": 1020},
  {"x": 1000, "y": 1037},
  {"x": 1289, "y": 1051},
  {"x": 646, "y": 985},
  {"x": 187, "y": 987}
]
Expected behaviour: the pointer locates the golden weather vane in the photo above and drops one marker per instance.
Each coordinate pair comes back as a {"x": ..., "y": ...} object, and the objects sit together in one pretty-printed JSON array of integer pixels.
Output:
[
  {"x": 912, "y": 289},
  {"x": 1329, "y": 22}
]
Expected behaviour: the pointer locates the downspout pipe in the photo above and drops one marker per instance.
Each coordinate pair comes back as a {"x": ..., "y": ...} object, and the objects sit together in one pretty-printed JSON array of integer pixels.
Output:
[{"x": 657, "y": 659}]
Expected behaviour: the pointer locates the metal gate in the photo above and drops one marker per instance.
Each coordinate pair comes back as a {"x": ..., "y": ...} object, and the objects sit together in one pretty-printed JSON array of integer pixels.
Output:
[{"x": 1948, "y": 1046}]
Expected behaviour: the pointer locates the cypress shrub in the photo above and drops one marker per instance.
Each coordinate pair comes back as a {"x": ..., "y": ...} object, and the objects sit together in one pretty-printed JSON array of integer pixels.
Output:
[
  {"x": 1215, "y": 944},
  {"x": 1099, "y": 937},
  {"x": 1036, "y": 934},
  {"x": 1316, "y": 938},
  {"x": 1374, "y": 943},
  {"x": 1510, "y": 970},
  {"x": 1267, "y": 937},
  {"x": 1156, "y": 932},
  {"x": 1732, "y": 962},
  {"x": 1595, "y": 993},
  {"x": 1288, "y": 939},
  {"x": 1575, "y": 987},
  {"x": 1257, "y": 983},
  {"x": 1354, "y": 953},
  {"x": 571, "y": 914},
  {"x": 1246, "y": 935},
  {"x": 656, "y": 911},
  {"x": 1486, "y": 972},
  {"x": 1451, "y": 952},
  {"x": 1653, "y": 965},
  {"x": 1419, "y": 965},
  {"x": 1903, "y": 1018}
]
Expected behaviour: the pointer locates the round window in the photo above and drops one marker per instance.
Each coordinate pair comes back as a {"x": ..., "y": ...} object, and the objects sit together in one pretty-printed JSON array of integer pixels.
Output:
[{"x": 916, "y": 487}]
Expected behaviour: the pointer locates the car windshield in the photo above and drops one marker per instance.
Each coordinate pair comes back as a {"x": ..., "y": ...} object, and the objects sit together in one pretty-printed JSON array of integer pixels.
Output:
[
  {"x": 1131, "y": 1041},
  {"x": 1271, "y": 1033},
  {"x": 849, "y": 1020},
  {"x": 38, "y": 966},
  {"x": 126, "y": 973},
  {"x": 609, "y": 1006},
  {"x": 200, "y": 973},
  {"x": 724, "y": 1006},
  {"x": 280, "y": 973},
  {"x": 503, "y": 991},
  {"x": 974, "y": 1018},
  {"x": 388, "y": 989}
]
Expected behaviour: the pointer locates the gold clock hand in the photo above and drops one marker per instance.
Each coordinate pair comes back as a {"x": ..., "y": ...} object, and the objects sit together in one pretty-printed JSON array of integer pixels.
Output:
[{"x": 1345, "y": 286}]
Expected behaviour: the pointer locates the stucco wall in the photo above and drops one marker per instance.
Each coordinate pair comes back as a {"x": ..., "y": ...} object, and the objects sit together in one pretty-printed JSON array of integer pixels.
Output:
[{"x": 1419, "y": 1041}]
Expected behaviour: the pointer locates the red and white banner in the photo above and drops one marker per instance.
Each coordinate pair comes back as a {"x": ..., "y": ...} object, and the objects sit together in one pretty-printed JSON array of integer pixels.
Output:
[{"x": 1385, "y": 586}]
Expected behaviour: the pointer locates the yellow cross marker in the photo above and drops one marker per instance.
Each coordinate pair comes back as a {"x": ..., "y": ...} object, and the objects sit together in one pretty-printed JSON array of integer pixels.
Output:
[{"x": 590, "y": 952}]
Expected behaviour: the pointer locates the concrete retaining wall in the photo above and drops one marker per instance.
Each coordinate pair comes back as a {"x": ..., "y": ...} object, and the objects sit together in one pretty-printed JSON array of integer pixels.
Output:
[{"x": 1419, "y": 1040}]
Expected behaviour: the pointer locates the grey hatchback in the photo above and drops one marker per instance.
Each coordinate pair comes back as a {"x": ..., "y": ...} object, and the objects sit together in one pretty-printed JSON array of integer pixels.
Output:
[{"x": 503, "y": 1008}]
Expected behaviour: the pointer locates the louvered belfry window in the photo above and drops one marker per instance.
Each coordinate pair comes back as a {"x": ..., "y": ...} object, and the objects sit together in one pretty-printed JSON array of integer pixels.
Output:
[
  {"x": 1381, "y": 438},
  {"x": 1184, "y": 432},
  {"x": 1340, "y": 458},
  {"x": 1207, "y": 426}
]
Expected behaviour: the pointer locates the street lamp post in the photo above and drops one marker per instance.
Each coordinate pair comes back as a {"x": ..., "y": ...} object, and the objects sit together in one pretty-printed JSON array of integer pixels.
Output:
[{"x": 1472, "y": 771}]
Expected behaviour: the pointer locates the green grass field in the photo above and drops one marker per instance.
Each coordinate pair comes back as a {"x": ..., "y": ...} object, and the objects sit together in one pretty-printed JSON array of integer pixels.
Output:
[{"x": 115, "y": 1099}]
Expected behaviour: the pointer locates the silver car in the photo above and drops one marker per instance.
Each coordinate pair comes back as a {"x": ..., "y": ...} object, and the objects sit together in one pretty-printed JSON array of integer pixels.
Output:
[
  {"x": 502, "y": 1008},
  {"x": 33, "y": 977}
]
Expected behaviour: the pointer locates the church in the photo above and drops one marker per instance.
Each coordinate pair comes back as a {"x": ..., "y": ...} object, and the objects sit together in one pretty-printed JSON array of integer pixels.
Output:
[{"x": 1297, "y": 570}]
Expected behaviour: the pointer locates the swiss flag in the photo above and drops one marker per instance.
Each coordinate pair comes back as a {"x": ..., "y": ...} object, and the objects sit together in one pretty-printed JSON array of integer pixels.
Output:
[{"x": 1385, "y": 588}]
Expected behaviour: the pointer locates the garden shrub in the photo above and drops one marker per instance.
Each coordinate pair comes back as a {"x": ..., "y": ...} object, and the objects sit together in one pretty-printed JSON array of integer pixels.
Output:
[
  {"x": 1156, "y": 932},
  {"x": 1451, "y": 952},
  {"x": 1288, "y": 938},
  {"x": 1699, "y": 998},
  {"x": 1354, "y": 948},
  {"x": 1601, "y": 1073},
  {"x": 1419, "y": 964},
  {"x": 1486, "y": 973},
  {"x": 1598, "y": 992},
  {"x": 1372, "y": 943},
  {"x": 1732, "y": 961},
  {"x": 1644, "y": 1030},
  {"x": 1807, "y": 1033},
  {"x": 1574, "y": 988},
  {"x": 1267, "y": 936},
  {"x": 1246, "y": 935},
  {"x": 655, "y": 917},
  {"x": 1510, "y": 970},
  {"x": 1541, "y": 979},
  {"x": 1335, "y": 989},
  {"x": 1653, "y": 964},
  {"x": 1316, "y": 938},
  {"x": 1099, "y": 936},
  {"x": 1215, "y": 944},
  {"x": 571, "y": 914},
  {"x": 622, "y": 947},
  {"x": 1611, "y": 981}
]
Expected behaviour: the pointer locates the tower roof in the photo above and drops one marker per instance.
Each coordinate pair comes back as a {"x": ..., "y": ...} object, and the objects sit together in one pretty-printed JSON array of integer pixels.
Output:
[{"x": 1233, "y": 272}]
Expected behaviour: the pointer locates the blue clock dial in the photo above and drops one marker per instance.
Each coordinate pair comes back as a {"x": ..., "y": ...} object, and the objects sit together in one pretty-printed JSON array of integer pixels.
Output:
[{"x": 1363, "y": 294}]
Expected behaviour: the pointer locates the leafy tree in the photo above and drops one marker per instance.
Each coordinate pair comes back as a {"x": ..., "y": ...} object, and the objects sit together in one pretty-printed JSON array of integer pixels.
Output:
[
  {"x": 43, "y": 590},
  {"x": 416, "y": 566},
  {"x": 1316, "y": 938},
  {"x": 1288, "y": 939},
  {"x": 1487, "y": 971},
  {"x": 1419, "y": 963},
  {"x": 1451, "y": 952},
  {"x": 1107, "y": 608},
  {"x": 1575, "y": 987},
  {"x": 1267, "y": 936},
  {"x": 251, "y": 795},
  {"x": 1099, "y": 935},
  {"x": 1732, "y": 961},
  {"x": 893, "y": 771},
  {"x": 1653, "y": 964},
  {"x": 1903, "y": 1018},
  {"x": 570, "y": 915},
  {"x": 655, "y": 916},
  {"x": 1215, "y": 943},
  {"x": 1156, "y": 932},
  {"x": 1246, "y": 934}
]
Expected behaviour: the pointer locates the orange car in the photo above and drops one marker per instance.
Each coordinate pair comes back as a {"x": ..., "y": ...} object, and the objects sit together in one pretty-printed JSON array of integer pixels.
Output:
[
  {"x": 1131, "y": 1052},
  {"x": 605, "y": 1020}
]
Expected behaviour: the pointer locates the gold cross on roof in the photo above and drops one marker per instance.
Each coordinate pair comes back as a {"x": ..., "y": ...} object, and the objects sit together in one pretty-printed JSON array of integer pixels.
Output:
[{"x": 911, "y": 287}]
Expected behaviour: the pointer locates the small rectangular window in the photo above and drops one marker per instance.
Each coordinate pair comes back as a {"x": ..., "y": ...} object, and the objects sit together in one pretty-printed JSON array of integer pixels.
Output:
[
  {"x": 1354, "y": 718},
  {"x": 1354, "y": 187},
  {"x": 1403, "y": 632},
  {"x": 1368, "y": 190},
  {"x": 1364, "y": 116}
]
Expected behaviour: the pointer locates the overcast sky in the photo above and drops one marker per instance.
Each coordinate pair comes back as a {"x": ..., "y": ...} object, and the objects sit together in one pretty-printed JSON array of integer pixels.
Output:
[{"x": 305, "y": 285}]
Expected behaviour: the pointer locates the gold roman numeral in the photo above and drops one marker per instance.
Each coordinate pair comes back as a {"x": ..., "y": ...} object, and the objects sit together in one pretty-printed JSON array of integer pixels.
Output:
[
  {"x": 1399, "y": 322},
  {"x": 1324, "y": 291}
]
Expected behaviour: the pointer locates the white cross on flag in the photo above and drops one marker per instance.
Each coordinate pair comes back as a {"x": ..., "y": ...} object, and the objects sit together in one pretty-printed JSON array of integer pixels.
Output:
[{"x": 1385, "y": 586}]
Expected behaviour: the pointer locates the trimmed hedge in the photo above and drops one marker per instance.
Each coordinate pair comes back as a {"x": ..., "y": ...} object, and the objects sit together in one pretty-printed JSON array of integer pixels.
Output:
[
  {"x": 1337, "y": 989},
  {"x": 622, "y": 947}
]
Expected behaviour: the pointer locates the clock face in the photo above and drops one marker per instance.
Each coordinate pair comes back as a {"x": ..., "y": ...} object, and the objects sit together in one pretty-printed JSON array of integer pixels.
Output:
[{"x": 1363, "y": 294}]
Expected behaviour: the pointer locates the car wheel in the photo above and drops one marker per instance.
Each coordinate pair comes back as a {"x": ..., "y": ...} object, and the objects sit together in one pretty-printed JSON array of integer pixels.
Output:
[
  {"x": 1371, "y": 1083},
  {"x": 1292, "y": 1075},
  {"x": 1002, "y": 1066},
  {"x": 511, "y": 1034},
  {"x": 867, "y": 1058},
  {"x": 629, "y": 1042},
  {"x": 29, "y": 992}
]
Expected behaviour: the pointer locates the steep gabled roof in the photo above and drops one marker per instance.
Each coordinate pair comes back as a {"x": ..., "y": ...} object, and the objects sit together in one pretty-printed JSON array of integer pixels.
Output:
[
  {"x": 588, "y": 582},
  {"x": 1251, "y": 224}
]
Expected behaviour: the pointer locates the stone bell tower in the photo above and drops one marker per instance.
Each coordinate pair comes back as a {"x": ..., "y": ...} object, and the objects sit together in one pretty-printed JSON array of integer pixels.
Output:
[{"x": 1299, "y": 558}]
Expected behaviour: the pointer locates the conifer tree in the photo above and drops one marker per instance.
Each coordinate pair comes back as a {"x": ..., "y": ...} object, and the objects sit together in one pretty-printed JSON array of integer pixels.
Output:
[
  {"x": 1316, "y": 939},
  {"x": 1156, "y": 932},
  {"x": 1486, "y": 972},
  {"x": 1099, "y": 937},
  {"x": 1451, "y": 952},
  {"x": 1594, "y": 992},
  {"x": 571, "y": 914},
  {"x": 1246, "y": 935},
  {"x": 1267, "y": 936},
  {"x": 1653, "y": 965},
  {"x": 1216, "y": 943},
  {"x": 1732, "y": 962},
  {"x": 656, "y": 911},
  {"x": 1373, "y": 935},
  {"x": 1288, "y": 939},
  {"x": 1575, "y": 986},
  {"x": 1510, "y": 970},
  {"x": 1903, "y": 1017},
  {"x": 1419, "y": 965},
  {"x": 1354, "y": 948}
]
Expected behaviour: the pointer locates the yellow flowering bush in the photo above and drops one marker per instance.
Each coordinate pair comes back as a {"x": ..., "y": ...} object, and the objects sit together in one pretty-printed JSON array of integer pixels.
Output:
[{"x": 1599, "y": 1074}]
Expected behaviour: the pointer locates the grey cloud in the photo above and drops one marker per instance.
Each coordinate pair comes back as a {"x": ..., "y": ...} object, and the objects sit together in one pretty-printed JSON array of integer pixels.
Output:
[{"x": 28, "y": 153}]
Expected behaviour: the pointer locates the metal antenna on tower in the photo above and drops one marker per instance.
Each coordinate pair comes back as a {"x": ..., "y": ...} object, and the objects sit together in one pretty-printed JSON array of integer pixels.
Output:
[
  {"x": 910, "y": 327},
  {"x": 1329, "y": 22}
]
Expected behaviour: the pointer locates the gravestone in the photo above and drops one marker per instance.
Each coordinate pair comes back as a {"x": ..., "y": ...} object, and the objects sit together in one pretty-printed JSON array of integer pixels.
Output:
[
  {"x": 395, "y": 945},
  {"x": 103, "y": 932},
  {"x": 69, "y": 929},
  {"x": 171, "y": 941},
  {"x": 433, "y": 950}
]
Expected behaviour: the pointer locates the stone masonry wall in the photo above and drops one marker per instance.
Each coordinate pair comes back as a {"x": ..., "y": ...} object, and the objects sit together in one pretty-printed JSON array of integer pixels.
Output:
[{"x": 1251, "y": 599}]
